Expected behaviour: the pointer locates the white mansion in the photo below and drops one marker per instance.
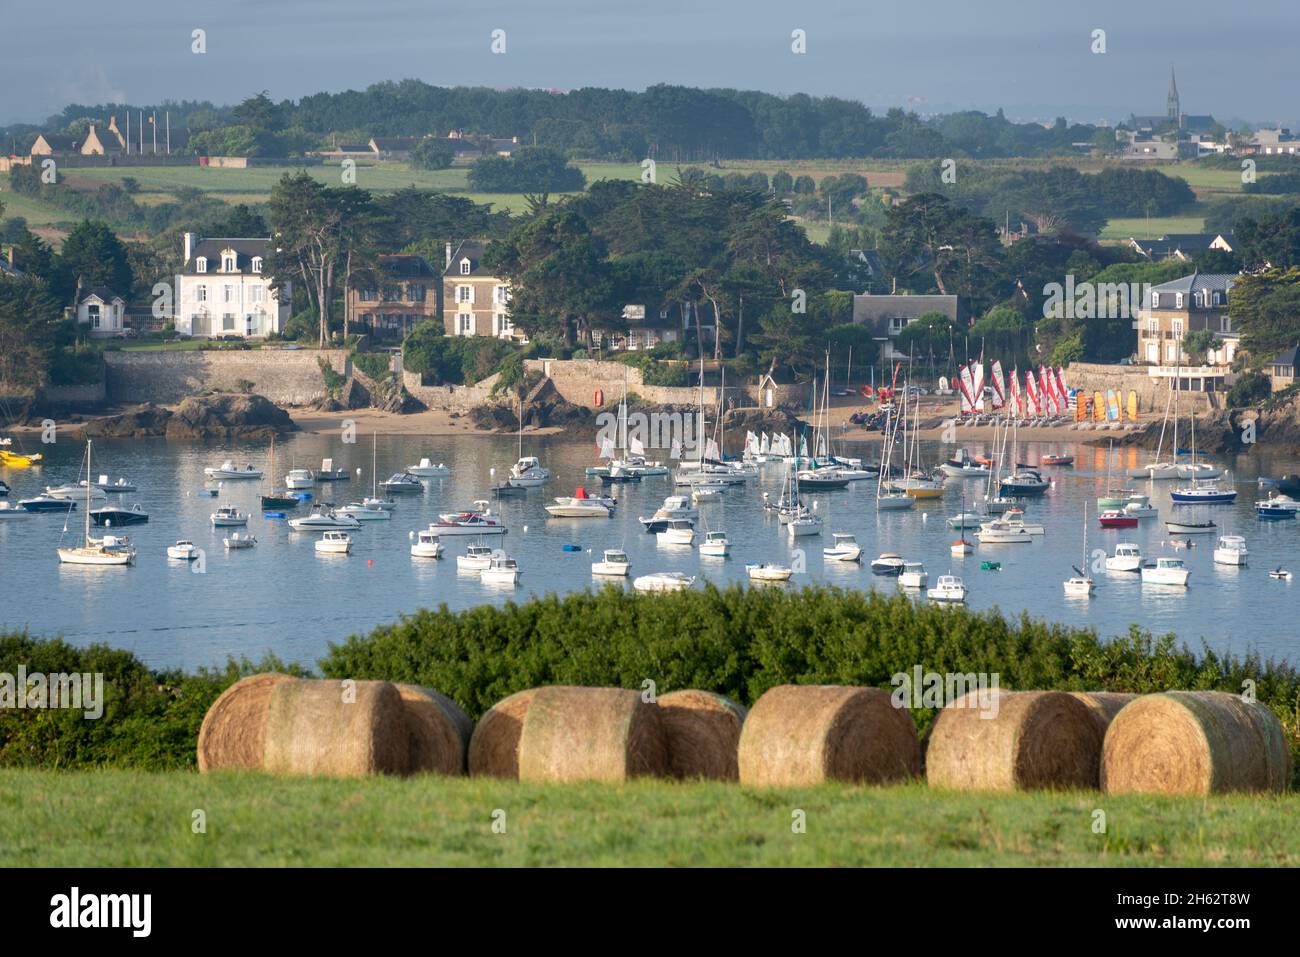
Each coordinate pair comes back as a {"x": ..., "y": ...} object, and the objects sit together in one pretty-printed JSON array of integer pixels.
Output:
[{"x": 221, "y": 290}]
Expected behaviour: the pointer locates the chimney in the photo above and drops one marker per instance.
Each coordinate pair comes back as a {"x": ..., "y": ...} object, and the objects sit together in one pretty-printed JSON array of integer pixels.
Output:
[
  {"x": 190, "y": 240},
  {"x": 447, "y": 265}
]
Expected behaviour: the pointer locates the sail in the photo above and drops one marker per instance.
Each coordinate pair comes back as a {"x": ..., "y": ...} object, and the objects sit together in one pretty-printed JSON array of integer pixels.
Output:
[
  {"x": 1080, "y": 406},
  {"x": 606, "y": 449},
  {"x": 821, "y": 446},
  {"x": 965, "y": 384},
  {"x": 635, "y": 447},
  {"x": 675, "y": 452},
  {"x": 1031, "y": 393},
  {"x": 764, "y": 444},
  {"x": 1060, "y": 383},
  {"x": 1112, "y": 406},
  {"x": 1017, "y": 397},
  {"x": 977, "y": 385},
  {"x": 711, "y": 450},
  {"x": 999, "y": 387},
  {"x": 751, "y": 442},
  {"x": 803, "y": 446},
  {"x": 622, "y": 426},
  {"x": 787, "y": 447},
  {"x": 1132, "y": 405},
  {"x": 1098, "y": 406}
]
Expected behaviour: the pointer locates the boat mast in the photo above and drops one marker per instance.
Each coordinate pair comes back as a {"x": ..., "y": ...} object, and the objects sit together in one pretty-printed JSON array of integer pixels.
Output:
[{"x": 87, "y": 493}]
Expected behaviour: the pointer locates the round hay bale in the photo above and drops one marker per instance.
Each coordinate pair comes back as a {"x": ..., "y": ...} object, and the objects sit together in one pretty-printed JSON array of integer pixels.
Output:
[
  {"x": 798, "y": 735},
  {"x": 312, "y": 729},
  {"x": 591, "y": 734},
  {"x": 1103, "y": 705},
  {"x": 702, "y": 730},
  {"x": 494, "y": 746},
  {"x": 1026, "y": 740},
  {"x": 233, "y": 730},
  {"x": 1194, "y": 742},
  {"x": 437, "y": 734}
]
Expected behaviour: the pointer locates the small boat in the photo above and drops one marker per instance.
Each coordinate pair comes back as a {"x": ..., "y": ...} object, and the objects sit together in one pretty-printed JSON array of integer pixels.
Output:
[
  {"x": 426, "y": 469},
  {"x": 1141, "y": 510},
  {"x": 402, "y": 482},
  {"x": 888, "y": 563},
  {"x": 961, "y": 547},
  {"x": 1118, "y": 498},
  {"x": 1198, "y": 470},
  {"x": 715, "y": 545},
  {"x": 528, "y": 472},
  {"x": 998, "y": 504},
  {"x": 426, "y": 545},
  {"x": 467, "y": 523},
  {"x": 768, "y": 572},
  {"x": 1204, "y": 495},
  {"x": 364, "y": 513},
  {"x": 275, "y": 515},
  {"x": 1190, "y": 528},
  {"x": 965, "y": 520},
  {"x": 617, "y": 475},
  {"x": 228, "y": 517},
  {"x": 334, "y": 543},
  {"x": 580, "y": 505},
  {"x": 614, "y": 562},
  {"x": 387, "y": 504},
  {"x": 234, "y": 541},
  {"x": 1015, "y": 517},
  {"x": 1281, "y": 574},
  {"x": 913, "y": 575},
  {"x": 328, "y": 473},
  {"x": 1114, "y": 518},
  {"x": 1165, "y": 571},
  {"x": 844, "y": 548},
  {"x": 820, "y": 482},
  {"x": 1002, "y": 533},
  {"x": 1127, "y": 558},
  {"x": 183, "y": 551},
  {"x": 1023, "y": 483},
  {"x": 475, "y": 559},
  {"x": 109, "y": 550},
  {"x": 16, "y": 461},
  {"x": 663, "y": 581},
  {"x": 893, "y": 501},
  {"x": 1056, "y": 460},
  {"x": 115, "y": 516},
  {"x": 323, "y": 518},
  {"x": 680, "y": 531},
  {"x": 278, "y": 501},
  {"x": 674, "y": 507},
  {"x": 1231, "y": 550},
  {"x": 76, "y": 492},
  {"x": 508, "y": 489},
  {"x": 1268, "y": 510},
  {"x": 707, "y": 492},
  {"x": 987, "y": 566},
  {"x": 501, "y": 570},
  {"x": 1078, "y": 585},
  {"x": 228, "y": 470},
  {"x": 121, "y": 485},
  {"x": 299, "y": 479},
  {"x": 949, "y": 589},
  {"x": 48, "y": 503},
  {"x": 962, "y": 465},
  {"x": 10, "y": 511}
]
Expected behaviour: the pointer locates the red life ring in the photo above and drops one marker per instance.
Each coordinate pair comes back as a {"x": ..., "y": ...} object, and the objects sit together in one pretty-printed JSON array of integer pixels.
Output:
[{"x": 599, "y": 397}]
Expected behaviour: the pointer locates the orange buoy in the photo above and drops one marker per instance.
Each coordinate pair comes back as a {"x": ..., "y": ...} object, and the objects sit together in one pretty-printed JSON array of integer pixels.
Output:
[{"x": 599, "y": 397}]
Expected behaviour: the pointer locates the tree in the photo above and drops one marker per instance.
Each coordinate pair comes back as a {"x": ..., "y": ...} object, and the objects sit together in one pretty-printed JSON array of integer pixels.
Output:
[
  {"x": 30, "y": 326},
  {"x": 928, "y": 334},
  {"x": 805, "y": 185},
  {"x": 531, "y": 169},
  {"x": 92, "y": 255},
  {"x": 432, "y": 153},
  {"x": 259, "y": 113},
  {"x": 782, "y": 183},
  {"x": 961, "y": 253},
  {"x": 1272, "y": 240},
  {"x": 1265, "y": 307},
  {"x": 1197, "y": 343}
]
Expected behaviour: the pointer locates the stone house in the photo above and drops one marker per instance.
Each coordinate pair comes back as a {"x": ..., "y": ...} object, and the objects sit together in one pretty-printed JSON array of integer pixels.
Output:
[
  {"x": 1282, "y": 370},
  {"x": 474, "y": 301},
  {"x": 887, "y": 316},
  {"x": 223, "y": 289},
  {"x": 404, "y": 290},
  {"x": 1172, "y": 309}
]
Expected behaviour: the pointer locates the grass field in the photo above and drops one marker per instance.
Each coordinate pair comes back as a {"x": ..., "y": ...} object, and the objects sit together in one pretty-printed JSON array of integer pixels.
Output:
[
  {"x": 1140, "y": 227},
  {"x": 117, "y": 818}
]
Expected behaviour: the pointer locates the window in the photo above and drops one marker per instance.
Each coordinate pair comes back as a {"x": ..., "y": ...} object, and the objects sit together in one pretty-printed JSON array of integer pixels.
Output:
[
  {"x": 465, "y": 267},
  {"x": 1218, "y": 298},
  {"x": 257, "y": 264},
  {"x": 896, "y": 324},
  {"x": 228, "y": 322},
  {"x": 464, "y": 325},
  {"x": 93, "y": 312},
  {"x": 392, "y": 293},
  {"x": 258, "y": 293},
  {"x": 1153, "y": 328},
  {"x": 464, "y": 293},
  {"x": 501, "y": 294},
  {"x": 369, "y": 295},
  {"x": 1178, "y": 328},
  {"x": 201, "y": 264},
  {"x": 1178, "y": 300},
  {"x": 227, "y": 293},
  {"x": 228, "y": 262},
  {"x": 1155, "y": 300},
  {"x": 415, "y": 292},
  {"x": 501, "y": 325}
]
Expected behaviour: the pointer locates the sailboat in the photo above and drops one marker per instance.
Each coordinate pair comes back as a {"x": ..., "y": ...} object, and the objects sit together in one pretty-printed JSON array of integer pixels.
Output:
[
  {"x": 109, "y": 550},
  {"x": 914, "y": 483},
  {"x": 528, "y": 471},
  {"x": 1196, "y": 493},
  {"x": 387, "y": 504},
  {"x": 279, "y": 498},
  {"x": 1158, "y": 468},
  {"x": 1080, "y": 585},
  {"x": 886, "y": 498}
]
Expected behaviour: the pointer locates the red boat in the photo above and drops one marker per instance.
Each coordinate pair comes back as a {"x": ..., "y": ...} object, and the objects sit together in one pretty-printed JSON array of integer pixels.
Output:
[
  {"x": 1057, "y": 460},
  {"x": 1114, "y": 518}
]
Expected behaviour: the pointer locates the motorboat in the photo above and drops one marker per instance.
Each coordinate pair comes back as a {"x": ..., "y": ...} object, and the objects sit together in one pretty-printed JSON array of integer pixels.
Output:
[
  {"x": 844, "y": 548},
  {"x": 1190, "y": 528},
  {"x": 334, "y": 543},
  {"x": 965, "y": 520},
  {"x": 299, "y": 479},
  {"x": 1078, "y": 586},
  {"x": 115, "y": 516},
  {"x": 228, "y": 470},
  {"x": 1281, "y": 574},
  {"x": 501, "y": 570},
  {"x": 768, "y": 572},
  {"x": 913, "y": 575},
  {"x": 121, "y": 485},
  {"x": 11, "y": 511},
  {"x": 1165, "y": 571},
  {"x": 183, "y": 551},
  {"x": 948, "y": 589},
  {"x": 1141, "y": 510},
  {"x": 580, "y": 505},
  {"x": 674, "y": 507},
  {"x": 887, "y": 563},
  {"x": 235, "y": 541},
  {"x": 323, "y": 518},
  {"x": 1002, "y": 533},
  {"x": 528, "y": 472},
  {"x": 467, "y": 523},
  {"x": 48, "y": 503},
  {"x": 1269, "y": 510},
  {"x": 230, "y": 517},
  {"x": 1231, "y": 550},
  {"x": 1016, "y": 517},
  {"x": 426, "y": 469},
  {"x": 1061, "y": 460},
  {"x": 1127, "y": 558},
  {"x": 663, "y": 581},
  {"x": 364, "y": 513},
  {"x": 715, "y": 545},
  {"x": 961, "y": 548},
  {"x": 1203, "y": 495},
  {"x": 426, "y": 545},
  {"x": 614, "y": 562},
  {"x": 77, "y": 492},
  {"x": 402, "y": 482},
  {"x": 680, "y": 531},
  {"x": 328, "y": 473},
  {"x": 963, "y": 465},
  {"x": 1023, "y": 483},
  {"x": 1116, "y": 518},
  {"x": 475, "y": 559}
]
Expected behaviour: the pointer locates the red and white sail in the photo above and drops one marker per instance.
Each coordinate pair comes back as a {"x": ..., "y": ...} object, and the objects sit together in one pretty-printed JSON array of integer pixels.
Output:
[
  {"x": 1017, "y": 397},
  {"x": 999, "y": 386},
  {"x": 1031, "y": 393},
  {"x": 964, "y": 387},
  {"x": 977, "y": 385}
]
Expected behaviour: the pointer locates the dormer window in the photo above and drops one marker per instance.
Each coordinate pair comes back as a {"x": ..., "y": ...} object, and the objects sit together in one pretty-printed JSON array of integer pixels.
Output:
[
  {"x": 201, "y": 264},
  {"x": 228, "y": 260},
  {"x": 1155, "y": 300},
  {"x": 257, "y": 264},
  {"x": 464, "y": 267}
]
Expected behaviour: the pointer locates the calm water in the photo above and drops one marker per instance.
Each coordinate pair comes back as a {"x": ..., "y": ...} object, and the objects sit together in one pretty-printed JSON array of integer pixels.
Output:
[{"x": 283, "y": 597}]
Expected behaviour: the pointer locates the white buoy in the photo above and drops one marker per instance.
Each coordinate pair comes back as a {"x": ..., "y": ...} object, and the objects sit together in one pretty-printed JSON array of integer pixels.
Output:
[
  {"x": 925, "y": 517},
  {"x": 411, "y": 535},
  {"x": 525, "y": 528}
]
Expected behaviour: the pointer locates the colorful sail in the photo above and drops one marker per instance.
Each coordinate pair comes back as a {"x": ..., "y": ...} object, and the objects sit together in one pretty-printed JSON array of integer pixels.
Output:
[
  {"x": 1031, "y": 393},
  {"x": 1017, "y": 397},
  {"x": 999, "y": 387},
  {"x": 1132, "y": 405},
  {"x": 635, "y": 446},
  {"x": 966, "y": 387}
]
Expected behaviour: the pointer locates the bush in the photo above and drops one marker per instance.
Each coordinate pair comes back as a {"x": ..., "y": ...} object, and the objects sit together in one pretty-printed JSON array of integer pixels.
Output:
[
  {"x": 1250, "y": 388},
  {"x": 657, "y": 372},
  {"x": 374, "y": 364},
  {"x": 532, "y": 169},
  {"x": 432, "y": 153}
]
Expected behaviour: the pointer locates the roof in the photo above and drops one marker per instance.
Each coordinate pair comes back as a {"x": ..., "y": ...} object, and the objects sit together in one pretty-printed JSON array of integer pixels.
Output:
[
  {"x": 245, "y": 250},
  {"x": 407, "y": 266},
  {"x": 1196, "y": 282},
  {"x": 61, "y": 143},
  {"x": 474, "y": 251},
  {"x": 102, "y": 293},
  {"x": 7, "y": 270},
  {"x": 393, "y": 143},
  {"x": 1171, "y": 243},
  {"x": 870, "y": 308},
  {"x": 1287, "y": 358}
]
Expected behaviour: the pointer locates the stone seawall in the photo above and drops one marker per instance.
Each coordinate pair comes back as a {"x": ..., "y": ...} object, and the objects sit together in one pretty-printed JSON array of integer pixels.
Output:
[
  {"x": 450, "y": 398},
  {"x": 1152, "y": 391},
  {"x": 286, "y": 377},
  {"x": 577, "y": 381}
]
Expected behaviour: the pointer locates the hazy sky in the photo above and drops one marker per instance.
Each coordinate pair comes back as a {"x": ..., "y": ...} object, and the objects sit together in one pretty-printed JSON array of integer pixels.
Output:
[{"x": 1031, "y": 57}]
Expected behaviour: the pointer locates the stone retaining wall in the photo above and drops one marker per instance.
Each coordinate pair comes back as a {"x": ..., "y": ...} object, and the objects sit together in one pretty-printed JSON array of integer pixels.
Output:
[
  {"x": 1152, "y": 392},
  {"x": 286, "y": 377}
]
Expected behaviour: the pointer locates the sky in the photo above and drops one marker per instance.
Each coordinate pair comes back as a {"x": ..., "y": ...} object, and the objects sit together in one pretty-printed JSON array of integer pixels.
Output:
[{"x": 1033, "y": 58}]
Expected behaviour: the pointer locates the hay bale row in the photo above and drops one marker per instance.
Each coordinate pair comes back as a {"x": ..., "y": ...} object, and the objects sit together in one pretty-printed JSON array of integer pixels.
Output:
[
  {"x": 591, "y": 734},
  {"x": 233, "y": 733},
  {"x": 1194, "y": 742}
]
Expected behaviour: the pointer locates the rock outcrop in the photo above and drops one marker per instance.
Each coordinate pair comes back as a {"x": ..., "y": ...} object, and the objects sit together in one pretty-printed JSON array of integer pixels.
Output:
[{"x": 222, "y": 416}]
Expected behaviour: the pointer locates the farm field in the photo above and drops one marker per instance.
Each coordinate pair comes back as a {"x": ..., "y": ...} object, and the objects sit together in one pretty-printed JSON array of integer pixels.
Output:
[
  {"x": 1140, "y": 227},
  {"x": 122, "y": 818}
]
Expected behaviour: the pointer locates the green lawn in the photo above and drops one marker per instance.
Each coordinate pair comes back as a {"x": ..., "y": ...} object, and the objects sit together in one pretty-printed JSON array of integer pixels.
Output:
[
  {"x": 1141, "y": 227},
  {"x": 1206, "y": 179},
  {"x": 118, "y": 818}
]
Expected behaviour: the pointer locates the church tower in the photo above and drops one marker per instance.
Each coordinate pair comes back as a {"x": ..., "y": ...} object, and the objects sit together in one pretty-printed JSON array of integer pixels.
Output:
[{"x": 1171, "y": 104}]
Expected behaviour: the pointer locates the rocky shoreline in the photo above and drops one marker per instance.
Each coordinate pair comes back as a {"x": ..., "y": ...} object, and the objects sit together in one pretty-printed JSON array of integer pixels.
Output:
[
  {"x": 1229, "y": 432},
  {"x": 222, "y": 416}
]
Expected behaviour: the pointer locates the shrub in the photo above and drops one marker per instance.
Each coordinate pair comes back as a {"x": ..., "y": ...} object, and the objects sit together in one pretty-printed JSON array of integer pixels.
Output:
[
  {"x": 1250, "y": 388},
  {"x": 374, "y": 364}
]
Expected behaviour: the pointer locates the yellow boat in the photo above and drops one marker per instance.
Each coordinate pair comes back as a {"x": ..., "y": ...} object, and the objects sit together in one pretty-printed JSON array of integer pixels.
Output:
[{"x": 14, "y": 460}]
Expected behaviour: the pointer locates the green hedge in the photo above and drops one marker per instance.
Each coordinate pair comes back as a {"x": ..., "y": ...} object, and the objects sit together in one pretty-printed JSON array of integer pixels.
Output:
[{"x": 374, "y": 364}]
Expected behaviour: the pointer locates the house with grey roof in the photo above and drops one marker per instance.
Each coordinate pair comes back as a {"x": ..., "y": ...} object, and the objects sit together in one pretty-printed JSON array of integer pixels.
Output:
[
  {"x": 887, "y": 316},
  {"x": 1282, "y": 370},
  {"x": 1181, "y": 246},
  {"x": 225, "y": 288},
  {"x": 101, "y": 312},
  {"x": 1171, "y": 310},
  {"x": 476, "y": 302}
]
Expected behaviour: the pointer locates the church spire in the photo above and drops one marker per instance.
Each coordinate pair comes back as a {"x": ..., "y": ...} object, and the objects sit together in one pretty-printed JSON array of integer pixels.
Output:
[{"x": 1171, "y": 104}]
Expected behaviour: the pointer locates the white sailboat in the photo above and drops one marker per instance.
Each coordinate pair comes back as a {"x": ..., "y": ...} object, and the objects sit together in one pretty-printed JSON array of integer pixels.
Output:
[
  {"x": 887, "y": 500},
  {"x": 109, "y": 550},
  {"x": 1080, "y": 584}
]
